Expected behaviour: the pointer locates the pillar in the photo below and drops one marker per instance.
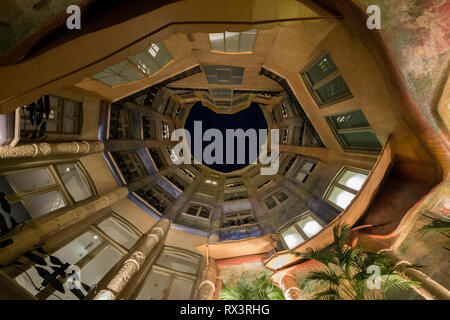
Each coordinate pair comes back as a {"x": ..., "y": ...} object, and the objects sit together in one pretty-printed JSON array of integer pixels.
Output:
[
  {"x": 135, "y": 261},
  {"x": 207, "y": 287},
  {"x": 289, "y": 284},
  {"x": 430, "y": 289},
  {"x": 43, "y": 149},
  {"x": 34, "y": 234}
]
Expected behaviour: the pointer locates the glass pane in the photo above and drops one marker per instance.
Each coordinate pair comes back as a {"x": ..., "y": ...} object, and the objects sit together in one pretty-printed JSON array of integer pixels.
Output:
[
  {"x": 216, "y": 41},
  {"x": 324, "y": 67},
  {"x": 74, "y": 181},
  {"x": 70, "y": 253},
  {"x": 43, "y": 203},
  {"x": 97, "y": 268},
  {"x": 117, "y": 231},
  {"x": 308, "y": 166},
  {"x": 353, "y": 119},
  {"x": 270, "y": 203},
  {"x": 28, "y": 180},
  {"x": 301, "y": 176},
  {"x": 77, "y": 249},
  {"x": 333, "y": 90},
  {"x": 353, "y": 179},
  {"x": 178, "y": 262},
  {"x": 181, "y": 290},
  {"x": 292, "y": 237},
  {"x": 309, "y": 226},
  {"x": 232, "y": 41},
  {"x": 281, "y": 196},
  {"x": 193, "y": 210},
  {"x": 71, "y": 110},
  {"x": 247, "y": 41},
  {"x": 365, "y": 139},
  {"x": 204, "y": 213},
  {"x": 154, "y": 286},
  {"x": 341, "y": 197}
]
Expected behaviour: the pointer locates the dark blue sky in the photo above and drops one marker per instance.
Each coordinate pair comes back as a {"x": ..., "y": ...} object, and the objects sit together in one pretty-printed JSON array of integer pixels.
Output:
[{"x": 252, "y": 117}]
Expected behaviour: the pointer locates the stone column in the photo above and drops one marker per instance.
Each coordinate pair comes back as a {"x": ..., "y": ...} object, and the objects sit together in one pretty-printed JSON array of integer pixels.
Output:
[
  {"x": 43, "y": 149},
  {"x": 289, "y": 284},
  {"x": 34, "y": 234},
  {"x": 135, "y": 261},
  {"x": 430, "y": 289},
  {"x": 207, "y": 287}
]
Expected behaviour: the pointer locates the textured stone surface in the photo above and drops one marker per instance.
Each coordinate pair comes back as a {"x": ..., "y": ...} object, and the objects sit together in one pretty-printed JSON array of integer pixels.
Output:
[{"x": 48, "y": 149}]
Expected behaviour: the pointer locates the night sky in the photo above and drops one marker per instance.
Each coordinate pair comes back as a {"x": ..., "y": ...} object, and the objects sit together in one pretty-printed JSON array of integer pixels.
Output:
[{"x": 252, "y": 117}]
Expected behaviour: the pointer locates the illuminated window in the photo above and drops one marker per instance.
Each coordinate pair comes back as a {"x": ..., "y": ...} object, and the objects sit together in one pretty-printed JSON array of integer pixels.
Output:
[
  {"x": 94, "y": 252},
  {"x": 172, "y": 277},
  {"x": 345, "y": 187},
  {"x": 300, "y": 230},
  {"x": 324, "y": 81},
  {"x": 165, "y": 130},
  {"x": 34, "y": 192},
  {"x": 233, "y": 41},
  {"x": 305, "y": 170}
]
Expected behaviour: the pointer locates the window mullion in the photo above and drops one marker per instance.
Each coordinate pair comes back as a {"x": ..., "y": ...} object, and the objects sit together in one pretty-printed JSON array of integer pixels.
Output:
[
  {"x": 344, "y": 187},
  {"x": 13, "y": 198},
  {"x": 62, "y": 187}
]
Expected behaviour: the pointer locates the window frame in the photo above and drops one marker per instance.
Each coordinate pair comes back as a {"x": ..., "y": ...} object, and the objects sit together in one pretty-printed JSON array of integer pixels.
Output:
[
  {"x": 313, "y": 87},
  {"x": 78, "y": 122},
  {"x": 334, "y": 183},
  {"x": 304, "y": 171},
  {"x": 337, "y": 133},
  {"x": 200, "y": 207},
  {"x": 273, "y": 197},
  {"x": 58, "y": 184},
  {"x": 239, "y": 42},
  {"x": 172, "y": 274},
  {"x": 106, "y": 241},
  {"x": 294, "y": 223}
]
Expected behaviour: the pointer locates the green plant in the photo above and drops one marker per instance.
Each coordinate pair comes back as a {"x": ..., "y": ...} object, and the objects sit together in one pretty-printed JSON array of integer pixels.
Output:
[
  {"x": 436, "y": 225},
  {"x": 252, "y": 289},
  {"x": 349, "y": 271}
]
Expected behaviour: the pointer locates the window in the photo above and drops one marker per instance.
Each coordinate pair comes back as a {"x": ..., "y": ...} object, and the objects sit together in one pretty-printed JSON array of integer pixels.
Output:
[
  {"x": 157, "y": 158},
  {"x": 199, "y": 210},
  {"x": 345, "y": 186},
  {"x": 275, "y": 199},
  {"x": 130, "y": 165},
  {"x": 149, "y": 127},
  {"x": 177, "y": 181},
  {"x": 226, "y": 75},
  {"x": 353, "y": 131},
  {"x": 34, "y": 192},
  {"x": 136, "y": 67},
  {"x": 151, "y": 60},
  {"x": 239, "y": 218},
  {"x": 172, "y": 277},
  {"x": 300, "y": 231},
  {"x": 212, "y": 182},
  {"x": 64, "y": 116},
  {"x": 94, "y": 252},
  {"x": 234, "y": 196},
  {"x": 305, "y": 170},
  {"x": 324, "y": 82},
  {"x": 233, "y": 41},
  {"x": 156, "y": 197},
  {"x": 165, "y": 131}
]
